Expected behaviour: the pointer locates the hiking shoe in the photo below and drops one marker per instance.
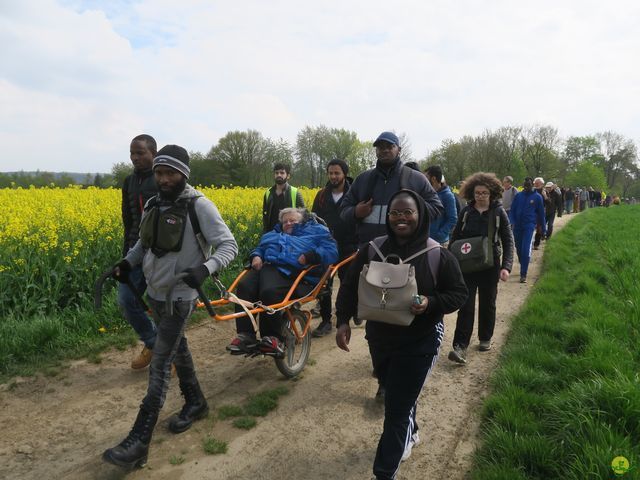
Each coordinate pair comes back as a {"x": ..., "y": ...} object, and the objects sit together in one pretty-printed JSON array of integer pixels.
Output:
[
  {"x": 458, "y": 354},
  {"x": 523, "y": 279},
  {"x": 380, "y": 394},
  {"x": 357, "y": 321},
  {"x": 315, "y": 311},
  {"x": 323, "y": 329},
  {"x": 143, "y": 359},
  {"x": 485, "y": 345},
  {"x": 243, "y": 343},
  {"x": 415, "y": 440},
  {"x": 271, "y": 346}
]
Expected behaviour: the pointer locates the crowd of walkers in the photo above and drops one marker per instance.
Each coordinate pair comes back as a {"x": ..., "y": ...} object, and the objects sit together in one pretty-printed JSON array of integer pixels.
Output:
[{"x": 459, "y": 247}]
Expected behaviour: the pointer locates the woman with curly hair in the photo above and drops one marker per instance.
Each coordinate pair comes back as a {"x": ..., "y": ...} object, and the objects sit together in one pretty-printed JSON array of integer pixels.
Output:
[{"x": 482, "y": 216}]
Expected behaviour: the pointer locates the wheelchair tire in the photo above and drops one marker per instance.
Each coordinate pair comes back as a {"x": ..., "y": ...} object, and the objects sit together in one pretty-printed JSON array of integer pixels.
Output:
[{"x": 296, "y": 352}]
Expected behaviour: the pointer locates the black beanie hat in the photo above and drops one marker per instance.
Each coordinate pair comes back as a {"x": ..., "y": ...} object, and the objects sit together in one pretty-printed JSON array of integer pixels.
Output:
[{"x": 173, "y": 156}]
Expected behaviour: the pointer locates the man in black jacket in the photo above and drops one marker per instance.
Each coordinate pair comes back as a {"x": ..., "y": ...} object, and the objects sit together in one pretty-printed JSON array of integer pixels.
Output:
[
  {"x": 366, "y": 202},
  {"x": 553, "y": 207},
  {"x": 138, "y": 187},
  {"x": 327, "y": 206}
]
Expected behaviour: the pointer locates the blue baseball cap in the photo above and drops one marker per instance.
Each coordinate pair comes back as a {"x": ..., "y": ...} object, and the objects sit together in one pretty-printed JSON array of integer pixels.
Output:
[{"x": 387, "y": 137}]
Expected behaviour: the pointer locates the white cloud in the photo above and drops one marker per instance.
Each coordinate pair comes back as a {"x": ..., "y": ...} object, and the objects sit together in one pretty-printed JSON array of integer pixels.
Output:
[{"x": 83, "y": 78}]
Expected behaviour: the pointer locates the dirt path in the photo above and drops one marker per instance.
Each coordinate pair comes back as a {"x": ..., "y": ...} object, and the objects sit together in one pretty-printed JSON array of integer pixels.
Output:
[{"x": 327, "y": 427}]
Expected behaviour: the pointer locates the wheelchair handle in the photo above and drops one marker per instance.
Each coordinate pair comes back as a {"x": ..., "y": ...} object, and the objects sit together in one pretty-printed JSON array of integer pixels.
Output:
[
  {"x": 201, "y": 295},
  {"x": 97, "y": 294}
]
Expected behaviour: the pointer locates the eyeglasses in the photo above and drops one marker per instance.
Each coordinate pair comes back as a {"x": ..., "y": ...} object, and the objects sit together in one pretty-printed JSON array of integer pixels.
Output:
[
  {"x": 407, "y": 212},
  {"x": 481, "y": 194}
]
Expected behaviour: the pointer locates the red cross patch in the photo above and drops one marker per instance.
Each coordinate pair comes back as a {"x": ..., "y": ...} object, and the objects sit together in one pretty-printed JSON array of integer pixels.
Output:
[{"x": 466, "y": 248}]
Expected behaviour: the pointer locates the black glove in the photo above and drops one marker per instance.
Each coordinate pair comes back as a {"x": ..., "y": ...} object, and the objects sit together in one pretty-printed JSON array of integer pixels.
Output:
[
  {"x": 125, "y": 269},
  {"x": 196, "y": 276},
  {"x": 312, "y": 258}
]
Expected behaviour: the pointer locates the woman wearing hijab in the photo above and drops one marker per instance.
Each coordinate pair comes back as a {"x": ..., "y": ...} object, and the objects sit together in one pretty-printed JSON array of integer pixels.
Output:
[{"x": 403, "y": 356}]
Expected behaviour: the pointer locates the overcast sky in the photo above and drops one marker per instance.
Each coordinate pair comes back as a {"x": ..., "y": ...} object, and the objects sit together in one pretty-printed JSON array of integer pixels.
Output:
[{"x": 79, "y": 79}]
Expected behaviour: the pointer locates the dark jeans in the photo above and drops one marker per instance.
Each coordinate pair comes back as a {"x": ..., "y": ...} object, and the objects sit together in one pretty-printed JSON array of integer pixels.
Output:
[
  {"x": 403, "y": 377},
  {"x": 550, "y": 219},
  {"x": 133, "y": 311},
  {"x": 269, "y": 285},
  {"x": 485, "y": 283},
  {"x": 170, "y": 347},
  {"x": 325, "y": 300}
]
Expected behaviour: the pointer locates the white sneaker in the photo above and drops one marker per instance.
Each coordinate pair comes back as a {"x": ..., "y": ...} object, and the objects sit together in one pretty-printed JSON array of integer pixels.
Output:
[{"x": 415, "y": 440}]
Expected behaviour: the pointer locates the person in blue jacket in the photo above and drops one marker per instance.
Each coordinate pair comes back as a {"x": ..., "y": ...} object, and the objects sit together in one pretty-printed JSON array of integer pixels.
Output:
[
  {"x": 527, "y": 210},
  {"x": 442, "y": 226},
  {"x": 296, "y": 242}
]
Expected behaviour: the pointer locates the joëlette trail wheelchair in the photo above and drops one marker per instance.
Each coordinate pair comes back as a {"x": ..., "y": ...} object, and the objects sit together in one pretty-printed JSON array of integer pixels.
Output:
[{"x": 296, "y": 324}]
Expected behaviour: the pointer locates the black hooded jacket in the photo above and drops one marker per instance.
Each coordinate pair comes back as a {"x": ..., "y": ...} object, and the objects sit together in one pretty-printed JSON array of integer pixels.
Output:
[
  {"x": 326, "y": 208},
  {"x": 137, "y": 189},
  {"x": 448, "y": 296}
]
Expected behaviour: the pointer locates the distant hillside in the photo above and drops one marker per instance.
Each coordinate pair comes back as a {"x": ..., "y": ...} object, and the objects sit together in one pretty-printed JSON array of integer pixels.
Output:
[{"x": 77, "y": 177}]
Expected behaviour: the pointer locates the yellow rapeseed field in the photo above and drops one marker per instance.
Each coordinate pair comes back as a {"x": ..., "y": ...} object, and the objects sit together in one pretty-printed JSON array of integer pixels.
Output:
[{"x": 55, "y": 242}]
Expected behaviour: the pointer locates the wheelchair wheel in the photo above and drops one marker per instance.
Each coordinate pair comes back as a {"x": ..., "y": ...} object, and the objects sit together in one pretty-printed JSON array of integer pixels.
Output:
[{"x": 296, "y": 352}]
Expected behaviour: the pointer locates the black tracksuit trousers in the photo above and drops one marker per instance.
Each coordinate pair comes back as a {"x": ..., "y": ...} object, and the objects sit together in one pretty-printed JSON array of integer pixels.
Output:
[
  {"x": 403, "y": 376},
  {"x": 485, "y": 283}
]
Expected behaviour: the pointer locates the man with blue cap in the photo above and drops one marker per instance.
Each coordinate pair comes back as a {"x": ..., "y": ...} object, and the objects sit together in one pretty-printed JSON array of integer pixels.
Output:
[{"x": 366, "y": 202}]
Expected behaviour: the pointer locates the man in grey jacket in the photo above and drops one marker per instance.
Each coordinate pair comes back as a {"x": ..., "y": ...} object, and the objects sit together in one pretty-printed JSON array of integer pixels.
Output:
[{"x": 178, "y": 230}]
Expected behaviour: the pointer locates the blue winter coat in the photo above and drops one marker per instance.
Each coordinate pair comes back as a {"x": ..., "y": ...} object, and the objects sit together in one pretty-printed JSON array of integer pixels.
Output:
[
  {"x": 441, "y": 226},
  {"x": 283, "y": 249}
]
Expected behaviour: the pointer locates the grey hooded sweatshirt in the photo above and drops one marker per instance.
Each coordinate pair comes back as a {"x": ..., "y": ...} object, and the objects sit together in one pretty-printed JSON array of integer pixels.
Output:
[{"x": 160, "y": 271}]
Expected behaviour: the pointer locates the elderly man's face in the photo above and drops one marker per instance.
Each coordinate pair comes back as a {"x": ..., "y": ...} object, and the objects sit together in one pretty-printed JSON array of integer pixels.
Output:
[
  {"x": 387, "y": 152},
  {"x": 537, "y": 184}
]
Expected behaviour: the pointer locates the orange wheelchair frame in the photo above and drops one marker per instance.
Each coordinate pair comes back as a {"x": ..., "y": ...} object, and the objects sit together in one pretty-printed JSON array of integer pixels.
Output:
[{"x": 296, "y": 329}]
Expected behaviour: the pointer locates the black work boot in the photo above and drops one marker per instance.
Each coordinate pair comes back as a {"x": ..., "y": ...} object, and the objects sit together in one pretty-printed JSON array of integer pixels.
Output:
[
  {"x": 132, "y": 451},
  {"x": 195, "y": 407}
]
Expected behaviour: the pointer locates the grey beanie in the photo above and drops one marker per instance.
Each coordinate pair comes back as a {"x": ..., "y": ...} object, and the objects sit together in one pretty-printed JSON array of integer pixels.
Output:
[{"x": 175, "y": 157}]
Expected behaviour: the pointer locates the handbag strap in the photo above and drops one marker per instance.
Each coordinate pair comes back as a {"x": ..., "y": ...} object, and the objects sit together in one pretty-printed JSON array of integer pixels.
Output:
[{"x": 432, "y": 251}]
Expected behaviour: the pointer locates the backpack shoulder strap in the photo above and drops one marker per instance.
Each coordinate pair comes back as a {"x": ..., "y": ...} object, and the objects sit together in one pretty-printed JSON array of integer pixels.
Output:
[
  {"x": 150, "y": 203},
  {"x": 374, "y": 247},
  {"x": 405, "y": 174},
  {"x": 193, "y": 217},
  {"x": 195, "y": 224},
  {"x": 433, "y": 258},
  {"x": 464, "y": 219}
]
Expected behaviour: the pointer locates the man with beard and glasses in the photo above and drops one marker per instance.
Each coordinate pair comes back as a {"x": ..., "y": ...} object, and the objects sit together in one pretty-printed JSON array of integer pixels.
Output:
[
  {"x": 326, "y": 205},
  {"x": 281, "y": 195},
  {"x": 137, "y": 188},
  {"x": 179, "y": 230}
]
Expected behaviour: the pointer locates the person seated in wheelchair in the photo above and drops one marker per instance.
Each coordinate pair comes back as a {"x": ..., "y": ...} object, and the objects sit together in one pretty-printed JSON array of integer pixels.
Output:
[{"x": 296, "y": 242}]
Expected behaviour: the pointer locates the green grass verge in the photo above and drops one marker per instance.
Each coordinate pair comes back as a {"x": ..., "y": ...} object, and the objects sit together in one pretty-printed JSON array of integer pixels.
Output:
[{"x": 566, "y": 398}]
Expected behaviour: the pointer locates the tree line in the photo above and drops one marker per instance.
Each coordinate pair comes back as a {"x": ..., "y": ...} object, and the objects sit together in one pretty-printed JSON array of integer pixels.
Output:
[{"x": 605, "y": 161}]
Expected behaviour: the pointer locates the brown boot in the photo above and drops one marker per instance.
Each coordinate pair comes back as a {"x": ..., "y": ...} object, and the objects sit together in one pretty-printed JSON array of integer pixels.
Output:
[{"x": 142, "y": 360}]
